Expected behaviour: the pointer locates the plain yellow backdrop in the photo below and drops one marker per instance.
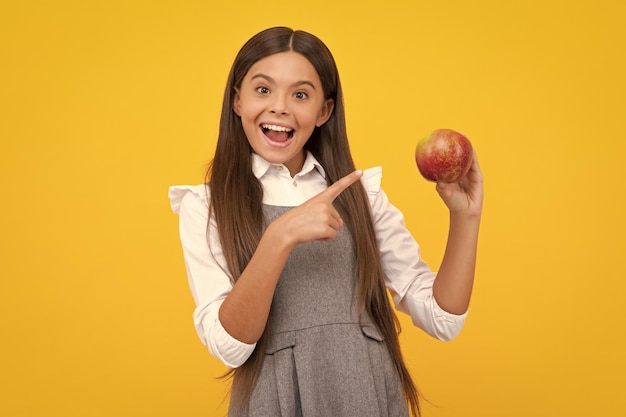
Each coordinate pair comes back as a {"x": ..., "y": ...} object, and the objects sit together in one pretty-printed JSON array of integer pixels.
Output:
[{"x": 104, "y": 104}]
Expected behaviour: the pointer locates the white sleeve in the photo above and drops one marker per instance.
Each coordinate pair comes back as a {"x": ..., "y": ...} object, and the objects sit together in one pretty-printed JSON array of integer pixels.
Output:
[
  {"x": 409, "y": 278},
  {"x": 208, "y": 281}
]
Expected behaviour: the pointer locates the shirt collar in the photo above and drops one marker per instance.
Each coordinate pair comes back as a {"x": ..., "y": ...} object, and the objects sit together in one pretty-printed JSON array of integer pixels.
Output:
[{"x": 260, "y": 166}]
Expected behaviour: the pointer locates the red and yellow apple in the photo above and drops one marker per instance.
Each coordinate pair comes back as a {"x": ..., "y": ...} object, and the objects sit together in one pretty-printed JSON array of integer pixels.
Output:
[{"x": 444, "y": 156}]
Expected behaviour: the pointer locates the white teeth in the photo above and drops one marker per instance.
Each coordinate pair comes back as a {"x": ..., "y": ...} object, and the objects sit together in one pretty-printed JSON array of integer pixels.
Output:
[{"x": 276, "y": 128}]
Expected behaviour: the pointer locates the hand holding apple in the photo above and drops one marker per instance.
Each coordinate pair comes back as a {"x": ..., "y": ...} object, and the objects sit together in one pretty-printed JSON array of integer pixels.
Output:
[{"x": 444, "y": 156}]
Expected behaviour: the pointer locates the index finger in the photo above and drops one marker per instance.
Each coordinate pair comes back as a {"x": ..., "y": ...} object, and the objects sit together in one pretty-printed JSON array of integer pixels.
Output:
[{"x": 337, "y": 188}]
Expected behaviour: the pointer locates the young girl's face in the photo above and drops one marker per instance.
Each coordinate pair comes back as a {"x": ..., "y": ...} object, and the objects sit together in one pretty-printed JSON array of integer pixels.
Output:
[{"x": 280, "y": 103}]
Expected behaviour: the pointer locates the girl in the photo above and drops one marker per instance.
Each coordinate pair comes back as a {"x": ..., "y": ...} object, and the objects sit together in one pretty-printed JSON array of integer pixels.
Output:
[{"x": 289, "y": 250}]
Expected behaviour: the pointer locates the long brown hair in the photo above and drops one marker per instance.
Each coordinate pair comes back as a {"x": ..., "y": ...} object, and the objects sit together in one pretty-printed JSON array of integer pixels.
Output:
[{"x": 236, "y": 196}]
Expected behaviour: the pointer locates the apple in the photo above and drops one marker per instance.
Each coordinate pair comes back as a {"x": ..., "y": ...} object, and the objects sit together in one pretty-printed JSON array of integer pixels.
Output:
[{"x": 444, "y": 156}]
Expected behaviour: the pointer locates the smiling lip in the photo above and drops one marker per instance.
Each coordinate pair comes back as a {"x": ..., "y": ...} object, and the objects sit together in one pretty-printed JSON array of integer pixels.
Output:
[{"x": 273, "y": 127}]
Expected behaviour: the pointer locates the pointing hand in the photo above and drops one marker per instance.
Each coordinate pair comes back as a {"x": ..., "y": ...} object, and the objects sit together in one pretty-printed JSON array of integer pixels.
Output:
[{"x": 315, "y": 219}]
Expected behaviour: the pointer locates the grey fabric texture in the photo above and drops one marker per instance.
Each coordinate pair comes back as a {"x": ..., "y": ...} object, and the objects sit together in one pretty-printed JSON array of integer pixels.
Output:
[{"x": 322, "y": 359}]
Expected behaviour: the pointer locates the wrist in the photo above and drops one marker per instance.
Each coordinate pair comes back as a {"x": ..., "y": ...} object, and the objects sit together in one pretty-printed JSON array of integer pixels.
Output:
[
  {"x": 280, "y": 240},
  {"x": 468, "y": 222}
]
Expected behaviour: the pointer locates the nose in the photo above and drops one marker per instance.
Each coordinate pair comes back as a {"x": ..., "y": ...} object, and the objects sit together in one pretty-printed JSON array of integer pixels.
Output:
[{"x": 279, "y": 105}]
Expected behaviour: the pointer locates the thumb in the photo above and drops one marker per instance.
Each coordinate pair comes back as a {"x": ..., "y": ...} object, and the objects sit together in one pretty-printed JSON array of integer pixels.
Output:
[
  {"x": 443, "y": 188},
  {"x": 332, "y": 192}
]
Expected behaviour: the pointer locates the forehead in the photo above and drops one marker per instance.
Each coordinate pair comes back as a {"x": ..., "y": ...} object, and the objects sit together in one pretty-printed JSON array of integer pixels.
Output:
[{"x": 284, "y": 67}]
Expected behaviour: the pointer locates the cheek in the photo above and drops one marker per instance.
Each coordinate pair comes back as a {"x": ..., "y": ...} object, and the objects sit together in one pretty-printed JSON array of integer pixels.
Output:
[
  {"x": 249, "y": 128},
  {"x": 253, "y": 109},
  {"x": 309, "y": 116}
]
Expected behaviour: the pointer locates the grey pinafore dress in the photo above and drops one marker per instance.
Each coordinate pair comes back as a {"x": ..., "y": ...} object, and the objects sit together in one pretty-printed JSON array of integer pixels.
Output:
[{"x": 322, "y": 360}]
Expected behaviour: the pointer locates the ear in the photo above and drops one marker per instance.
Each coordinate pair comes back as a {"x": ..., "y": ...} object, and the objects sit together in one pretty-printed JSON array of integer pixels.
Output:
[
  {"x": 237, "y": 103},
  {"x": 325, "y": 112}
]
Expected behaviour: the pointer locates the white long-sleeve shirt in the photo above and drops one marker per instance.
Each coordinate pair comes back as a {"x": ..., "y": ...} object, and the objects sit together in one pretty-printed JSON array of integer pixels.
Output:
[{"x": 408, "y": 278}]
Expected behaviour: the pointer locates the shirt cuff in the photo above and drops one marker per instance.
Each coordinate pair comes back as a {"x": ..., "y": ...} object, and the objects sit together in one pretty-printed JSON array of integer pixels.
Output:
[
  {"x": 448, "y": 325},
  {"x": 232, "y": 352},
  {"x": 419, "y": 302}
]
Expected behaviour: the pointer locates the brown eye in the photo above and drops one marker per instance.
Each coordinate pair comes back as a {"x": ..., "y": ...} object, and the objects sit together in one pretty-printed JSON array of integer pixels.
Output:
[
  {"x": 263, "y": 90},
  {"x": 301, "y": 95}
]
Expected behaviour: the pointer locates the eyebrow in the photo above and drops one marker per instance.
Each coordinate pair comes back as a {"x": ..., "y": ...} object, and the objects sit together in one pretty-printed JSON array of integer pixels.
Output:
[{"x": 271, "y": 80}]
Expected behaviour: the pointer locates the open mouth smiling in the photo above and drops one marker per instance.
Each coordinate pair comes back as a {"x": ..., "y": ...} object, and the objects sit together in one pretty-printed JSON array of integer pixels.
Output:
[{"x": 277, "y": 133}]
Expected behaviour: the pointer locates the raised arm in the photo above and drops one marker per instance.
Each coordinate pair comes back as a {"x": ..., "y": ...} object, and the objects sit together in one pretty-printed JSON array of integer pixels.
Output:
[
  {"x": 455, "y": 278},
  {"x": 245, "y": 310}
]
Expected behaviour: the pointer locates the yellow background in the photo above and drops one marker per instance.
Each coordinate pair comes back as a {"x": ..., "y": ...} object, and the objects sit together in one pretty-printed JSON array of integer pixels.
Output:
[{"x": 104, "y": 104}]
